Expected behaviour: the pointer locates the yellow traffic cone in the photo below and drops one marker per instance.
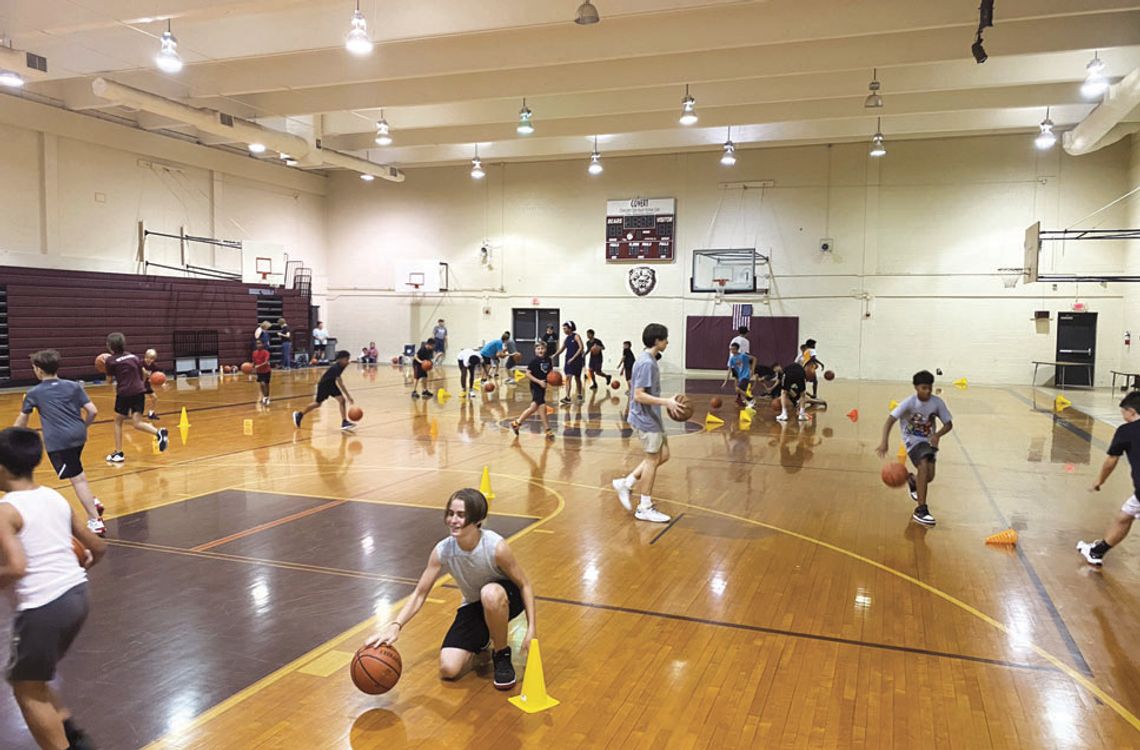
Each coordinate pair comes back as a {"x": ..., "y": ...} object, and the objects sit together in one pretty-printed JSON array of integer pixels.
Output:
[
  {"x": 713, "y": 420},
  {"x": 1061, "y": 403},
  {"x": 184, "y": 421},
  {"x": 247, "y": 427},
  {"x": 442, "y": 395},
  {"x": 961, "y": 383},
  {"x": 902, "y": 453},
  {"x": 745, "y": 420},
  {"x": 534, "y": 697},
  {"x": 891, "y": 406},
  {"x": 184, "y": 432},
  {"x": 520, "y": 376},
  {"x": 485, "y": 485},
  {"x": 1009, "y": 536}
]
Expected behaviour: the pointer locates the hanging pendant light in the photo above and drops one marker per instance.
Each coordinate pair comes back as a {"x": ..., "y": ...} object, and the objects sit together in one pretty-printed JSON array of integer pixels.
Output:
[
  {"x": 873, "y": 100},
  {"x": 728, "y": 158},
  {"x": 688, "y": 109},
  {"x": 383, "y": 131},
  {"x": 168, "y": 60},
  {"x": 595, "y": 167},
  {"x": 477, "y": 166},
  {"x": 587, "y": 14},
  {"x": 1046, "y": 139},
  {"x": 1095, "y": 83},
  {"x": 525, "y": 126},
  {"x": 878, "y": 148},
  {"x": 357, "y": 40}
]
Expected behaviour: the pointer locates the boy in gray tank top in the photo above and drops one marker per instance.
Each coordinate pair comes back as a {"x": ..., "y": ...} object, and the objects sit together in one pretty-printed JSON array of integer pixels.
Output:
[{"x": 494, "y": 586}]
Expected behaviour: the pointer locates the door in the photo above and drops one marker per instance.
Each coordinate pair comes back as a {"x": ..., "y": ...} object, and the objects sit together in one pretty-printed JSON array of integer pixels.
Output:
[
  {"x": 1076, "y": 343},
  {"x": 527, "y": 326}
]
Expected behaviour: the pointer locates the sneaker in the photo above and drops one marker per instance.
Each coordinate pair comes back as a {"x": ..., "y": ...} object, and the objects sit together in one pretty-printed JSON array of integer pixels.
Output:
[
  {"x": 153, "y": 416},
  {"x": 471, "y": 394},
  {"x": 116, "y": 458},
  {"x": 415, "y": 394},
  {"x": 550, "y": 434},
  {"x": 346, "y": 425},
  {"x": 912, "y": 485},
  {"x": 564, "y": 400},
  {"x": 1085, "y": 548},
  {"x": 515, "y": 427},
  {"x": 163, "y": 440},
  {"x": 594, "y": 387},
  {"x": 98, "y": 508},
  {"x": 623, "y": 493},
  {"x": 922, "y": 515},
  {"x": 581, "y": 398},
  {"x": 427, "y": 393},
  {"x": 95, "y": 526},
  {"x": 782, "y": 418},
  {"x": 297, "y": 417},
  {"x": 803, "y": 416},
  {"x": 504, "y": 670},
  {"x": 651, "y": 514}
]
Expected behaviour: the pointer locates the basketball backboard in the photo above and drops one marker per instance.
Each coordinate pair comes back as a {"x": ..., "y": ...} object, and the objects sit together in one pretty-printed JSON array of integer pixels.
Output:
[
  {"x": 262, "y": 263},
  {"x": 740, "y": 270}
]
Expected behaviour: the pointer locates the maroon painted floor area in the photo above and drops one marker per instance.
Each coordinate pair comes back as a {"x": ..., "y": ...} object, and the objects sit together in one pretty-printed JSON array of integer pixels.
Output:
[{"x": 172, "y": 633}]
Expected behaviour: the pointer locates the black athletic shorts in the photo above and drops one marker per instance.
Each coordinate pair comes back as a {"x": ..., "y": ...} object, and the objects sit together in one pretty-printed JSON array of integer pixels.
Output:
[
  {"x": 125, "y": 405},
  {"x": 41, "y": 636},
  {"x": 418, "y": 370},
  {"x": 66, "y": 462},
  {"x": 922, "y": 451},
  {"x": 469, "y": 630},
  {"x": 537, "y": 394},
  {"x": 326, "y": 391},
  {"x": 263, "y": 377}
]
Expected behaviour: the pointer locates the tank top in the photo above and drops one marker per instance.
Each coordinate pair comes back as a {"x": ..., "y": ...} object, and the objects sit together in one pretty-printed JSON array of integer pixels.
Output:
[
  {"x": 471, "y": 570},
  {"x": 571, "y": 346},
  {"x": 46, "y": 539}
]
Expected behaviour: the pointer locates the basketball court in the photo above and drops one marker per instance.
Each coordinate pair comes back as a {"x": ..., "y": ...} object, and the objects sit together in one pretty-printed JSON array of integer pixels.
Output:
[{"x": 866, "y": 186}]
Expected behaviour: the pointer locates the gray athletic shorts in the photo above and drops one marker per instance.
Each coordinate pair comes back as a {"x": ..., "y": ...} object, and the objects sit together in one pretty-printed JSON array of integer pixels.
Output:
[
  {"x": 922, "y": 450},
  {"x": 652, "y": 442},
  {"x": 42, "y": 636}
]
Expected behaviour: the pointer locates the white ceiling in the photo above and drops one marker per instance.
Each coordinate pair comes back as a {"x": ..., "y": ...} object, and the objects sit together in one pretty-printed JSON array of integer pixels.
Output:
[{"x": 452, "y": 73}]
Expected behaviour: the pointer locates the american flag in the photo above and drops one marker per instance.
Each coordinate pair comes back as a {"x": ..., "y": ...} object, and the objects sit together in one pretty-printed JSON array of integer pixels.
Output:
[{"x": 741, "y": 316}]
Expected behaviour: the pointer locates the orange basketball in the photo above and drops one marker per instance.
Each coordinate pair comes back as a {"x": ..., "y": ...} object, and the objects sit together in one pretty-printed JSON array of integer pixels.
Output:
[
  {"x": 101, "y": 362},
  {"x": 894, "y": 474},
  {"x": 828, "y": 375},
  {"x": 157, "y": 378},
  {"x": 517, "y": 356},
  {"x": 715, "y": 402},
  {"x": 615, "y": 384},
  {"x": 247, "y": 367},
  {"x": 395, "y": 360},
  {"x": 355, "y": 413},
  {"x": 683, "y": 412},
  {"x": 554, "y": 378},
  {"x": 595, "y": 349},
  {"x": 376, "y": 670},
  {"x": 488, "y": 386},
  {"x": 426, "y": 365},
  {"x": 80, "y": 551}
]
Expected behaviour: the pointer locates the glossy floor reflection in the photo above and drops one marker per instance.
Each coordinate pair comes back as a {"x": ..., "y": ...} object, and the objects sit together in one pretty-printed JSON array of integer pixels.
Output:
[{"x": 791, "y": 604}]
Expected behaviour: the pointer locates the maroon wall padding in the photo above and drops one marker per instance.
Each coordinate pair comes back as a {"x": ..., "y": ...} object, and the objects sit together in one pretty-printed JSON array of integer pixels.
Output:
[
  {"x": 707, "y": 338},
  {"x": 73, "y": 311}
]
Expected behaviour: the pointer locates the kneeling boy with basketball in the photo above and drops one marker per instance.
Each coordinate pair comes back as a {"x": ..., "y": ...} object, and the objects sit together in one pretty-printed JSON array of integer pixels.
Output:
[{"x": 495, "y": 590}]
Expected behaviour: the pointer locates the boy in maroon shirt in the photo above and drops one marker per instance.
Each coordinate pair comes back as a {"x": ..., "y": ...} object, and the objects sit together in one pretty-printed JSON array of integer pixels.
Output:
[
  {"x": 264, "y": 371},
  {"x": 130, "y": 395}
]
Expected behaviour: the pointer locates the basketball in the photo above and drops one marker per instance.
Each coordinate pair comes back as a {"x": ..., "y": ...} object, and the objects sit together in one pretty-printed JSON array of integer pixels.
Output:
[
  {"x": 80, "y": 551},
  {"x": 517, "y": 356},
  {"x": 615, "y": 384},
  {"x": 488, "y": 386},
  {"x": 554, "y": 378},
  {"x": 715, "y": 402},
  {"x": 355, "y": 413},
  {"x": 595, "y": 349},
  {"x": 425, "y": 366},
  {"x": 894, "y": 474},
  {"x": 247, "y": 367},
  {"x": 683, "y": 412},
  {"x": 375, "y": 671},
  {"x": 157, "y": 378},
  {"x": 101, "y": 362},
  {"x": 828, "y": 375},
  {"x": 776, "y": 406},
  {"x": 810, "y": 376},
  {"x": 396, "y": 360},
  {"x": 313, "y": 361}
]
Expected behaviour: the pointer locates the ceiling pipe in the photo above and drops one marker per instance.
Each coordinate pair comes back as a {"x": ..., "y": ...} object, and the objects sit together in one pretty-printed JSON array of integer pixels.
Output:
[
  {"x": 308, "y": 154},
  {"x": 1106, "y": 124}
]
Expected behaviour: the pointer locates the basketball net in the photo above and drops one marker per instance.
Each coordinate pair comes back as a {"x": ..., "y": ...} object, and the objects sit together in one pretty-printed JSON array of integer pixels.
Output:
[
  {"x": 720, "y": 285},
  {"x": 1010, "y": 276}
]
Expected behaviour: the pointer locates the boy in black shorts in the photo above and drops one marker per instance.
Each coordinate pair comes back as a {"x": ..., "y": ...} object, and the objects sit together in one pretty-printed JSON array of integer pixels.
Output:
[
  {"x": 1126, "y": 441},
  {"x": 261, "y": 366},
  {"x": 793, "y": 383},
  {"x": 627, "y": 360},
  {"x": 38, "y": 565},
  {"x": 536, "y": 373},
  {"x": 424, "y": 355},
  {"x": 594, "y": 361},
  {"x": 331, "y": 386},
  {"x": 130, "y": 395},
  {"x": 495, "y": 590},
  {"x": 65, "y": 414}
]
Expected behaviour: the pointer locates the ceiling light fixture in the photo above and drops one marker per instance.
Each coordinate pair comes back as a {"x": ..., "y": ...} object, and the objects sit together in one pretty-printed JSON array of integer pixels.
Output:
[
  {"x": 477, "y": 166},
  {"x": 526, "y": 127},
  {"x": 587, "y": 14},
  {"x": 595, "y": 167},
  {"x": 168, "y": 60},
  {"x": 383, "y": 131},
  {"x": 1095, "y": 84},
  {"x": 357, "y": 40},
  {"x": 367, "y": 177},
  {"x": 688, "y": 109},
  {"x": 1046, "y": 139},
  {"x": 728, "y": 158},
  {"x": 11, "y": 79},
  {"x": 257, "y": 148},
  {"x": 877, "y": 146},
  {"x": 873, "y": 100}
]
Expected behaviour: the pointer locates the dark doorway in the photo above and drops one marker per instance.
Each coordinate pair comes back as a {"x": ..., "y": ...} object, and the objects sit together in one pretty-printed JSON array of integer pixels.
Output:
[
  {"x": 1076, "y": 343},
  {"x": 528, "y": 324}
]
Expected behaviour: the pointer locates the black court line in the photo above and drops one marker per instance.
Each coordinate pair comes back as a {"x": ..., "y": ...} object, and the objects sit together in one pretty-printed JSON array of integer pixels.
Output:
[
  {"x": 671, "y": 525},
  {"x": 1073, "y": 428},
  {"x": 1038, "y": 585},
  {"x": 800, "y": 634}
]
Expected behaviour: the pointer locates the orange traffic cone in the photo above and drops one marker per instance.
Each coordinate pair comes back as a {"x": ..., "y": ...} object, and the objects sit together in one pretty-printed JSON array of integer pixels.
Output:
[
  {"x": 1009, "y": 536},
  {"x": 853, "y": 415},
  {"x": 534, "y": 697}
]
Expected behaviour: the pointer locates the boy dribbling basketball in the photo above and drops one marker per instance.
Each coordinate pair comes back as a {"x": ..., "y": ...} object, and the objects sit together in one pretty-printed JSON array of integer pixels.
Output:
[
  {"x": 495, "y": 590},
  {"x": 150, "y": 368},
  {"x": 130, "y": 395},
  {"x": 331, "y": 386},
  {"x": 536, "y": 373},
  {"x": 740, "y": 369},
  {"x": 419, "y": 372},
  {"x": 1126, "y": 441},
  {"x": 261, "y": 366}
]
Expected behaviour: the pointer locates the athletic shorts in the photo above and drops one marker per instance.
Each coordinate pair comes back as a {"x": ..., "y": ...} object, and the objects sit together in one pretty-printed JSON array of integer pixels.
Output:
[
  {"x": 1131, "y": 507},
  {"x": 263, "y": 377},
  {"x": 418, "y": 369},
  {"x": 469, "y": 629},
  {"x": 652, "y": 442},
  {"x": 66, "y": 462},
  {"x": 326, "y": 391},
  {"x": 439, "y": 346},
  {"x": 921, "y": 451},
  {"x": 537, "y": 394},
  {"x": 42, "y": 636},
  {"x": 126, "y": 405},
  {"x": 149, "y": 391},
  {"x": 575, "y": 367},
  {"x": 743, "y": 383}
]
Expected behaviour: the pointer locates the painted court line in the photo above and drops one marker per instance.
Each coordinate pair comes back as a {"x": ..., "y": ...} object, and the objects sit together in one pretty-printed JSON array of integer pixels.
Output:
[{"x": 266, "y": 525}]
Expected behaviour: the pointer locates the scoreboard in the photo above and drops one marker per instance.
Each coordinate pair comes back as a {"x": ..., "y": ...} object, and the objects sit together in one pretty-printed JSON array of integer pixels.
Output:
[{"x": 640, "y": 230}]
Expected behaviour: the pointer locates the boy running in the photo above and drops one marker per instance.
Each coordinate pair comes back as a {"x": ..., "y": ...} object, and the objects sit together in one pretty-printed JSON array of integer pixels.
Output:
[
  {"x": 536, "y": 373},
  {"x": 494, "y": 586},
  {"x": 645, "y": 417},
  {"x": 740, "y": 368},
  {"x": 37, "y": 562},
  {"x": 65, "y": 413},
  {"x": 627, "y": 360},
  {"x": 260, "y": 359},
  {"x": 331, "y": 386},
  {"x": 594, "y": 363},
  {"x": 1126, "y": 441},
  {"x": 150, "y": 368},
  {"x": 423, "y": 356},
  {"x": 130, "y": 395},
  {"x": 917, "y": 415}
]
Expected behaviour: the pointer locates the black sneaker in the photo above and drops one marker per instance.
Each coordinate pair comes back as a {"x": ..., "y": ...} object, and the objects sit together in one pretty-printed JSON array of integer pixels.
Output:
[
  {"x": 564, "y": 400},
  {"x": 504, "y": 670},
  {"x": 346, "y": 425},
  {"x": 297, "y": 417},
  {"x": 415, "y": 394},
  {"x": 922, "y": 515},
  {"x": 153, "y": 416},
  {"x": 163, "y": 440},
  {"x": 427, "y": 393},
  {"x": 116, "y": 458},
  {"x": 594, "y": 387},
  {"x": 912, "y": 485}
]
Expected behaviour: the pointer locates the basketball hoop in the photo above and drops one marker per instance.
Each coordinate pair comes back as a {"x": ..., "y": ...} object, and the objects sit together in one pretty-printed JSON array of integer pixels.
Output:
[
  {"x": 1010, "y": 276},
  {"x": 720, "y": 285}
]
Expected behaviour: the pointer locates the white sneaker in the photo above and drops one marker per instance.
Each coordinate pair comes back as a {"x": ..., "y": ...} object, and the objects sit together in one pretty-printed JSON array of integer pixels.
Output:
[
  {"x": 623, "y": 493},
  {"x": 804, "y": 417},
  {"x": 95, "y": 526},
  {"x": 651, "y": 514},
  {"x": 1085, "y": 548},
  {"x": 782, "y": 418}
]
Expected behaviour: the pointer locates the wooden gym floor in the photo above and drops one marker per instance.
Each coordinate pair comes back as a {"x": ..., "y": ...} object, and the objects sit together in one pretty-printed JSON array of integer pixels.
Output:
[{"x": 792, "y": 603}]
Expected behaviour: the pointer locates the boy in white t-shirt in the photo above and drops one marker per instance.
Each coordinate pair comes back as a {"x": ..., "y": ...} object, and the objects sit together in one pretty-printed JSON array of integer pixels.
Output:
[{"x": 38, "y": 568}]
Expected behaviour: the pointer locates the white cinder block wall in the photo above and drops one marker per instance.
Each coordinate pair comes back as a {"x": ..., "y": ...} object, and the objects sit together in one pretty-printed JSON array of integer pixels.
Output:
[{"x": 919, "y": 233}]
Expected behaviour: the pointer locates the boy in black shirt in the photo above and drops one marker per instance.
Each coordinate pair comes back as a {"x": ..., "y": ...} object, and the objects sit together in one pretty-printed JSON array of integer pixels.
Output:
[
  {"x": 331, "y": 386},
  {"x": 627, "y": 360},
  {"x": 536, "y": 373},
  {"x": 1126, "y": 441},
  {"x": 424, "y": 355},
  {"x": 594, "y": 363},
  {"x": 793, "y": 383}
]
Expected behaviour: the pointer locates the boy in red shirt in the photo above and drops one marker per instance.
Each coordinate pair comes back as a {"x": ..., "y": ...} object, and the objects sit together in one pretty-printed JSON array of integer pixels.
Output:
[
  {"x": 263, "y": 370},
  {"x": 130, "y": 395}
]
